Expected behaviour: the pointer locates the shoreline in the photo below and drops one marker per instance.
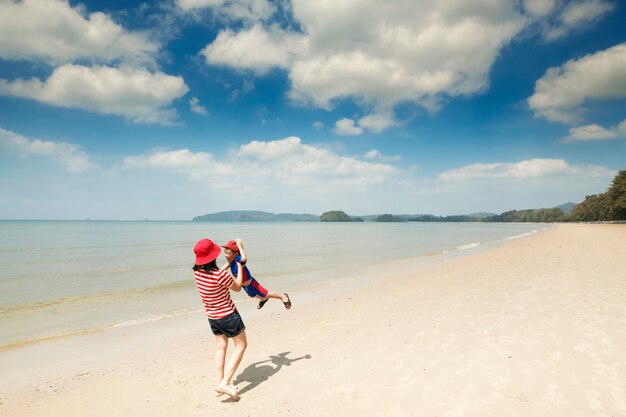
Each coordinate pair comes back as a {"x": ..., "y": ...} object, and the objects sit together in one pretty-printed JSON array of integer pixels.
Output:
[
  {"x": 416, "y": 261},
  {"x": 532, "y": 327}
]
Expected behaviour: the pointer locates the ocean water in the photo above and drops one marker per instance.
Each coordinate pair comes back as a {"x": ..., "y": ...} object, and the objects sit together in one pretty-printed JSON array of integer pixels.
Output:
[{"x": 64, "y": 278}]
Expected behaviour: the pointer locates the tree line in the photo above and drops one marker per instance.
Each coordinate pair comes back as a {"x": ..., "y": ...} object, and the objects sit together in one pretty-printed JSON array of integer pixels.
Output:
[{"x": 607, "y": 206}]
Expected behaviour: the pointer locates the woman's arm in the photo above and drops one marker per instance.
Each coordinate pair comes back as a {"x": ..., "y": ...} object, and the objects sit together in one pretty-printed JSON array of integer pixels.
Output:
[
  {"x": 242, "y": 251},
  {"x": 236, "y": 285}
]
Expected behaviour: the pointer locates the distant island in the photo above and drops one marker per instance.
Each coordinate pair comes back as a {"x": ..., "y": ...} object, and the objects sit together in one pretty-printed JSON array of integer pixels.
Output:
[
  {"x": 609, "y": 206},
  {"x": 338, "y": 216},
  {"x": 255, "y": 216}
]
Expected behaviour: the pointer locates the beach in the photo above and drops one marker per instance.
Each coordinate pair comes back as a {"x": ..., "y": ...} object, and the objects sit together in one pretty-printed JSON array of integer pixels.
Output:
[{"x": 536, "y": 327}]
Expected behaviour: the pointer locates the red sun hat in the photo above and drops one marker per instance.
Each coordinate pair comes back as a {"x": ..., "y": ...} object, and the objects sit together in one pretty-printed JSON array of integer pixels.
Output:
[
  {"x": 232, "y": 245},
  {"x": 206, "y": 251}
]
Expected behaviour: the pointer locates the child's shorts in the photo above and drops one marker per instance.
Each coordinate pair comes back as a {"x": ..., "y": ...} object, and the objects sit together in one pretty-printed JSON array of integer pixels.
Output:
[
  {"x": 254, "y": 288},
  {"x": 229, "y": 326}
]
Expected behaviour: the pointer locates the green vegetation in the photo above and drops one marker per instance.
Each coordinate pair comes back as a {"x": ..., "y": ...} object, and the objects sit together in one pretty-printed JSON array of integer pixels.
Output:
[
  {"x": 431, "y": 218},
  {"x": 389, "y": 218},
  {"x": 338, "y": 216},
  {"x": 608, "y": 206},
  {"x": 544, "y": 215}
]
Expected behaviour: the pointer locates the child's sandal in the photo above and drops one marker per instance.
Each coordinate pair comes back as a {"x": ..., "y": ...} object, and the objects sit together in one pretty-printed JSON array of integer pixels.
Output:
[{"x": 288, "y": 302}]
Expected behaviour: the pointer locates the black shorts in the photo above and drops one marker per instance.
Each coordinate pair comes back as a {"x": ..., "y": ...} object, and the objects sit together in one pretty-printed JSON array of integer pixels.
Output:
[{"x": 230, "y": 326}]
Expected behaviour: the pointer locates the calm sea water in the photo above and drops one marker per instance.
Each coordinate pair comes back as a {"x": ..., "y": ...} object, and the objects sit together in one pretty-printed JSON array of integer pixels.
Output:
[{"x": 62, "y": 278}]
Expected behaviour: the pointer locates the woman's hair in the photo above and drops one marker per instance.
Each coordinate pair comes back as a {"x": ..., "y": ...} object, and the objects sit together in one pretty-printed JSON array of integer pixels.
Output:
[{"x": 206, "y": 267}]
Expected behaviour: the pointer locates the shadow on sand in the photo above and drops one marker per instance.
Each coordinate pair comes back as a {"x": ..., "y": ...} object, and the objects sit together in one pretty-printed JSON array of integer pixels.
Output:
[{"x": 259, "y": 372}]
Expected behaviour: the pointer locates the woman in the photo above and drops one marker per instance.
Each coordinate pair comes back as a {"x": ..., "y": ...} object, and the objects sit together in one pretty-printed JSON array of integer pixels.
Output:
[{"x": 214, "y": 286}]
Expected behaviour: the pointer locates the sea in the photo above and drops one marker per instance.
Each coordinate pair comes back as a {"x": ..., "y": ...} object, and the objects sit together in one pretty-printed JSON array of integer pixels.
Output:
[{"x": 60, "y": 279}]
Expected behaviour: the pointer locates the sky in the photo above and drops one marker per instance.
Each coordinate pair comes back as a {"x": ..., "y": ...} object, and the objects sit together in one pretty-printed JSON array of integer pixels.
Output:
[{"x": 132, "y": 110}]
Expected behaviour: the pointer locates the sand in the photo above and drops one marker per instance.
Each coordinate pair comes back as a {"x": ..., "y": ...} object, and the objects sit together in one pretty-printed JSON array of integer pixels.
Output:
[{"x": 536, "y": 327}]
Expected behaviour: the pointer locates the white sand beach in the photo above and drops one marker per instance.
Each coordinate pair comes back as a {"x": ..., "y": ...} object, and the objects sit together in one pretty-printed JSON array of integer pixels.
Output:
[{"x": 536, "y": 327}]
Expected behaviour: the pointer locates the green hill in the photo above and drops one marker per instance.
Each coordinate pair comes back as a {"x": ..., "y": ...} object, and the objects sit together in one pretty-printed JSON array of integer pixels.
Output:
[{"x": 567, "y": 207}]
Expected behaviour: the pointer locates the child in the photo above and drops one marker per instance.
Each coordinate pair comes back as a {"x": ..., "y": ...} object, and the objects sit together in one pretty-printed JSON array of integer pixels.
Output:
[{"x": 235, "y": 253}]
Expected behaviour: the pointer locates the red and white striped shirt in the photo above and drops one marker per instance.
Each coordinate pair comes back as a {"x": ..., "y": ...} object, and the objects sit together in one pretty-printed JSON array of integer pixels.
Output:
[{"x": 214, "y": 288}]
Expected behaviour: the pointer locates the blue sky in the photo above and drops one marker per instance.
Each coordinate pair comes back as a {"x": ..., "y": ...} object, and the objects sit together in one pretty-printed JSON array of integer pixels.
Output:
[{"x": 168, "y": 110}]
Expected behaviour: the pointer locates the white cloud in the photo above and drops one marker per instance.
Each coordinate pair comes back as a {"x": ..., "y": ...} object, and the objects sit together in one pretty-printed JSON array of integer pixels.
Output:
[
  {"x": 595, "y": 132},
  {"x": 347, "y": 127},
  {"x": 254, "y": 48},
  {"x": 579, "y": 14},
  {"x": 522, "y": 170},
  {"x": 539, "y": 8},
  {"x": 558, "y": 18},
  {"x": 55, "y": 32},
  {"x": 66, "y": 154},
  {"x": 377, "y": 122},
  {"x": 294, "y": 163},
  {"x": 591, "y": 132},
  {"x": 197, "y": 166},
  {"x": 137, "y": 94},
  {"x": 198, "y": 4},
  {"x": 260, "y": 167},
  {"x": 196, "y": 107},
  {"x": 560, "y": 95},
  {"x": 245, "y": 10},
  {"x": 376, "y": 154},
  {"x": 379, "y": 53}
]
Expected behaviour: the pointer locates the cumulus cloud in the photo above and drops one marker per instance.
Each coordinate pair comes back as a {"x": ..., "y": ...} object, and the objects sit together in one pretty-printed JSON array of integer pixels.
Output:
[
  {"x": 55, "y": 32},
  {"x": 66, "y": 154},
  {"x": 594, "y": 132},
  {"x": 560, "y": 95},
  {"x": 522, "y": 170},
  {"x": 270, "y": 165},
  {"x": 200, "y": 166},
  {"x": 376, "y": 122},
  {"x": 137, "y": 94},
  {"x": 254, "y": 48},
  {"x": 347, "y": 127},
  {"x": 379, "y": 53}
]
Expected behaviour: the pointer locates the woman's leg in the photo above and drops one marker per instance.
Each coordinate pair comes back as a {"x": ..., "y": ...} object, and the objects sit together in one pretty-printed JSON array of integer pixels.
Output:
[
  {"x": 240, "y": 347},
  {"x": 220, "y": 356}
]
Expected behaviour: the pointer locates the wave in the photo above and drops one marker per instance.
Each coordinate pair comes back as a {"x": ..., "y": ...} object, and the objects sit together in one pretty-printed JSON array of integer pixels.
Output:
[
  {"x": 17, "y": 344},
  {"x": 532, "y": 232},
  {"x": 468, "y": 246},
  {"x": 66, "y": 304}
]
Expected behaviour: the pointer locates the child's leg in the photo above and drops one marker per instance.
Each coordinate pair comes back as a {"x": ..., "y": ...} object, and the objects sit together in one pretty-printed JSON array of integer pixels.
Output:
[
  {"x": 264, "y": 295},
  {"x": 281, "y": 297}
]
